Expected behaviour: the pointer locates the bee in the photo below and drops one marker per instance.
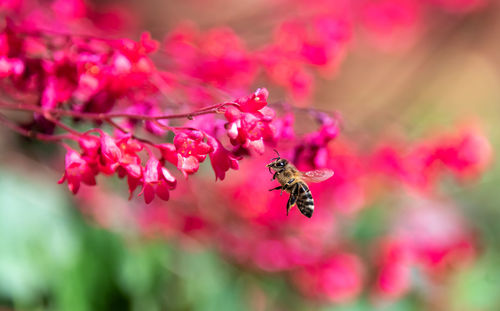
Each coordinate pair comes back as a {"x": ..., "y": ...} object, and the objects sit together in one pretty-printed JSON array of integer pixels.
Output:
[{"x": 294, "y": 181}]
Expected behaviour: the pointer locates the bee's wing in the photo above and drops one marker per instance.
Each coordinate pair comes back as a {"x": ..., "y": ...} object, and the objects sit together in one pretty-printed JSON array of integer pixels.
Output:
[{"x": 317, "y": 175}]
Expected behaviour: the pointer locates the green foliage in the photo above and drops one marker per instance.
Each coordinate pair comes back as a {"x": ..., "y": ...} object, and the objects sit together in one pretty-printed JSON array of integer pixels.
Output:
[{"x": 53, "y": 259}]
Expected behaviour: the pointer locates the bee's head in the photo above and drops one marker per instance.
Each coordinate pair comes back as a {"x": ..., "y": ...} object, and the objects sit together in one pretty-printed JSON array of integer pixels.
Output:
[{"x": 277, "y": 164}]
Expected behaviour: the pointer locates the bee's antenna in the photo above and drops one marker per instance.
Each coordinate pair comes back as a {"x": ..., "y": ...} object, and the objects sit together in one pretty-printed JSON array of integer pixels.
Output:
[
  {"x": 277, "y": 157},
  {"x": 277, "y": 153}
]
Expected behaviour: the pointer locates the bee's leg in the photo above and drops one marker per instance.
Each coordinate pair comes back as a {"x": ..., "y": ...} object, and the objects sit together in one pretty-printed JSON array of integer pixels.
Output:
[
  {"x": 287, "y": 185},
  {"x": 292, "y": 200},
  {"x": 277, "y": 188},
  {"x": 274, "y": 176}
]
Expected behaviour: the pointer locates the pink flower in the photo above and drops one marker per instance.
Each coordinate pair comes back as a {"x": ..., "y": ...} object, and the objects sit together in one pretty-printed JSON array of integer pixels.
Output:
[
  {"x": 110, "y": 149},
  {"x": 156, "y": 180},
  {"x": 466, "y": 152},
  {"x": 191, "y": 150},
  {"x": 392, "y": 24},
  {"x": 90, "y": 145},
  {"x": 61, "y": 80},
  {"x": 130, "y": 162},
  {"x": 249, "y": 125},
  {"x": 10, "y": 67},
  {"x": 136, "y": 51},
  {"x": 187, "y": 152},
  {"x": 77, "y": 170},
  {"x": 221, "y": 159},
  {"x": 217, "y": 57},
  {"x": 393, "y": 279},
  {"x": 435, "y": 233},
  {"x": 70, "y": 9},
  {"x": 312, "y": 151},
  {"x": 337, "y": 278}
]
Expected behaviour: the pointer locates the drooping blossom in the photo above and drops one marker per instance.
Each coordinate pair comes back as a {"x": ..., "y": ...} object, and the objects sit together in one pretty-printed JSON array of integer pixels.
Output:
[
  {"x": 312, "y": 151},
  {"x": 249, "y": 124},
  {"x": 76, "y": 171},
  {"x": 188, "y": 150},
  {"x": 220, "y": 158},
  {"x": 157, "y": 181}
]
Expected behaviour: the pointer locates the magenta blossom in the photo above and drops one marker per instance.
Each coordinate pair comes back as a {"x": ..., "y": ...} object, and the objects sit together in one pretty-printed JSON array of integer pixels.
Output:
[
  {"x": 130, "y": 162},
  {"x": 249, "y": 125},
  {"x": 337, "y": 279},
  {"x": 157, "y": 180},
  {"x": 77, "y": 170},
  {"x": 221, "y": 159},
  {"x": 187, "y": 152}
]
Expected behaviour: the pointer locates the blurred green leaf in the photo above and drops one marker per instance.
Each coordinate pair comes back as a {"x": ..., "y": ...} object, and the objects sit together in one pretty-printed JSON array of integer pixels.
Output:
[{"x": 36, "y": 237}]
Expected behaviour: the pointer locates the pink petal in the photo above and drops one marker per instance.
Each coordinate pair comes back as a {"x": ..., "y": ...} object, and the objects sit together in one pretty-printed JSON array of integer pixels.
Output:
[
  {"x": 168, "y": 152},
  {"x": 151, "y": 171},
  {"x": 109, "y": 148},
  {"x": 168, "y": 177},
  {"x": 189, "y": 165},
  {"x": 162, "y": 191},
  {"x": 134, "y": 170},
  {"x": 149, "y": 193},
  {"x": 232, "y": 130},
  {"x": 255, "y": 102}
]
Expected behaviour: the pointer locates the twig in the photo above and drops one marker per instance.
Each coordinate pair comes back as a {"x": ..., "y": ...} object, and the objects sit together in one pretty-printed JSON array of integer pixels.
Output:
[{"x": 31, "y": 134}]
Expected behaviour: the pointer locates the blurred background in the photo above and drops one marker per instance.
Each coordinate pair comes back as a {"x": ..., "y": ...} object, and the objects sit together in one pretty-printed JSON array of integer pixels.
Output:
[{"x": 411, "y": 76}]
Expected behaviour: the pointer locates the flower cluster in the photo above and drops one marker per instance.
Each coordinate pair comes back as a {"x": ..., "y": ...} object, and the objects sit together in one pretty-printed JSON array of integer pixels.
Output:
[
  {"x": 248, "y": 126},
  {"x": 109, "y": 156},
  {"x": 464, "y": 152},
  {"x": 428, "y": 235}
]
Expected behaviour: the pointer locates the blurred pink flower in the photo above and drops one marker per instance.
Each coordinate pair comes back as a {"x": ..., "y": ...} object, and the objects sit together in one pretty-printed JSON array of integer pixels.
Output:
[
  {"x": 394, "y": 264},
  {"x": 217, "y": 56},
  {"x": 392, "y": 25},
  {"x": 338, "y": 278}
]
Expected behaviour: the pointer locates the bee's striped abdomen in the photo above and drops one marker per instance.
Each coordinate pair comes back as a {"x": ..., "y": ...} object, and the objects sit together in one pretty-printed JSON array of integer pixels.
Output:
[{"x": 305, "y": 201}]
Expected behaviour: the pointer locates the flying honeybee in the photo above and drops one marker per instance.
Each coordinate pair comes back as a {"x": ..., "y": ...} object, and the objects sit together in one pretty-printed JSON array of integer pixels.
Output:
[{"x": 294, "y": 181}]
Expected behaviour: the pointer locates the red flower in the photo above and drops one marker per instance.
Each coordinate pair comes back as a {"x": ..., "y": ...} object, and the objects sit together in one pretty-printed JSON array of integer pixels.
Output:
[
  {"x": 312, "y": 151},
  {"x": 77, "y": 170},
  {"x": 221, "y": 159},
  {"x": 130, "y": 162},
  {"x": 156, "y": 180},
  {"x": 250, "y": 124},
  {"x": 191, "y": 150},
  {"x": 393, "y": 279},
  {"x": 187, "y": 152},
  {"x": 136, "y": 51},
  {"x": 217, "y": 57},
  {"x": 337, "y": 279},
  {"x": 110, "y": 151},
  {"x": 392, "y": 24}
]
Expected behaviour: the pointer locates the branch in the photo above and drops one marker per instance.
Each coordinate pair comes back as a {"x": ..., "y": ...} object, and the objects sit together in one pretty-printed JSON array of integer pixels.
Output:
[
  {"x": 31, "y": 134},
  {"x": 106, "y": 116}
]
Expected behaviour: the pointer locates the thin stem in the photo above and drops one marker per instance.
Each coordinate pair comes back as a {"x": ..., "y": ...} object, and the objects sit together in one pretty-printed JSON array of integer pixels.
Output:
[
  {"x": 31, "y": 134},
  {"x": 69, "y": 129},
  {"x": 117, "y": 126},
  {"x": 104, "y": 116}
]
